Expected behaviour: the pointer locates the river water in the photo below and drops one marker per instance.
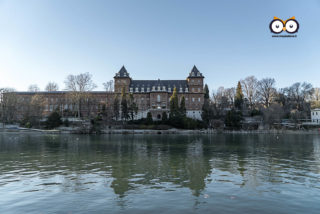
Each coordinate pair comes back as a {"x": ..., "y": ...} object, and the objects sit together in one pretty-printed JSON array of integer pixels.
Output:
[{"x": 222, "y": 173}]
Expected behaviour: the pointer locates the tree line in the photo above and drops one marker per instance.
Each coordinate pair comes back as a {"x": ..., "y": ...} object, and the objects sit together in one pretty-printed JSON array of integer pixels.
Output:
[{"x": 252, "y": 97}]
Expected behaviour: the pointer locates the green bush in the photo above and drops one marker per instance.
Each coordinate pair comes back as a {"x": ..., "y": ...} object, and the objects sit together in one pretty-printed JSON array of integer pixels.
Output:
[
  {"x": 66, "y": 123},
  {"x": 53, "y": 121},
  {"x": 233, "y": 119}
]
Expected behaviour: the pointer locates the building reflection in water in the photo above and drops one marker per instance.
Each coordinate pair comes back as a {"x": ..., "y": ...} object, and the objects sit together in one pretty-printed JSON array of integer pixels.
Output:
[{"x": 131, "y": 164}]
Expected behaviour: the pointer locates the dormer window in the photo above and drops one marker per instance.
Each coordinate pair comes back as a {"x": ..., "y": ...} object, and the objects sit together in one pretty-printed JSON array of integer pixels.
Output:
[
  {"x": 163, "y": 88},
  {"x": 137, "y": 89},
  {"x": 186, "y": 90},
  {"x": 142, "y": 89},
  {"x": 192, "y": 74},
  {"x": 153, "y": 88},
  {"x": 181, "y": 90},
  {"x": 159, "y": 88},
  {"x": 199, "y": 74},
  {"x": 169, "y": 89},
  {"x": 148, "y": 89},
  {"x": 131, "y": 90}
]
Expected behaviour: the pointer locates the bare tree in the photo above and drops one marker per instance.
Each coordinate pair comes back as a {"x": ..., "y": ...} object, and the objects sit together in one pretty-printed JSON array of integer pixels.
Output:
[
  {"x": 8, "y": 105},
  {"x": 52, "y": 86},
  {"x": 266, "y": 91},
  {"x": 315, "y": 100},
  {"x": 79, "y": 86},
  {"x": 300, "y": 92},
  {"x": 249, "y": 87},
  {"x": 108, "y": 86},
  {"x": 33, "y": 88}
]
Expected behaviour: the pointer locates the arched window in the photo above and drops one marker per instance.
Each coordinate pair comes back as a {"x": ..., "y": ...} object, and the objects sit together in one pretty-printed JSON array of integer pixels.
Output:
[{"x": 158, "y": 98}]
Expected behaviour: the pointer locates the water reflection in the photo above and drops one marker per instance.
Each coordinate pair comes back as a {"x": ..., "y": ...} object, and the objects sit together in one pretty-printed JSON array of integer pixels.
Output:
[{"x": 208, "y": 166}]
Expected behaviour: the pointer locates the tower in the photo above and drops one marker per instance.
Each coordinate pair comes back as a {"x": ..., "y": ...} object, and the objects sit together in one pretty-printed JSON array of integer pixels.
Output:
[
  {"x": 122, "y": 80},
  {"x": 195, "y": 81}
]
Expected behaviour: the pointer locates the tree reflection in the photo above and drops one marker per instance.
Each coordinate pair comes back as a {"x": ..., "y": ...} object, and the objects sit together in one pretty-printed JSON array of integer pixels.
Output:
[{"x": 129, "y": 164}]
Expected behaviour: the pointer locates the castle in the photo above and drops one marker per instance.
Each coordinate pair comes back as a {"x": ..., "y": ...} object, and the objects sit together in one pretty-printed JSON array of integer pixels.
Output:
[{"x": 150, "y": 96}]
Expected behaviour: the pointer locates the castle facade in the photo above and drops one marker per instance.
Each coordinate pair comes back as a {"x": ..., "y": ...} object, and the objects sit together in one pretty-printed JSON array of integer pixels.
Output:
[{"x": 149, "y": 95}]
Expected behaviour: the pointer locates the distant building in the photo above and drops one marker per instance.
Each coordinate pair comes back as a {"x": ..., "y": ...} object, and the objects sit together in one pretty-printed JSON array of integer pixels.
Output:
[
  {"x": 150, "y": 95},
  {"x": 315, "y": 116}
]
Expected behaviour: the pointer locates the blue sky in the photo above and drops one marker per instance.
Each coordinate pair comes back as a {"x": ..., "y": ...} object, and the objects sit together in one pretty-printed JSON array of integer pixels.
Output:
[{"x": 44, "y": 40}]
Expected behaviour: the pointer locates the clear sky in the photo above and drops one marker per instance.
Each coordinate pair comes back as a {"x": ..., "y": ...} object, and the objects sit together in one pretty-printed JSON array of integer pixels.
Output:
[{"x": 44, "y": 40}]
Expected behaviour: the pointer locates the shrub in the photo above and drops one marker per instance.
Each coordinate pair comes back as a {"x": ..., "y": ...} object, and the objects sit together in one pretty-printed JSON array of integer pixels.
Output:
[
  {"x": 66, "y": 122},
  {"x": 54, "y": 120}
]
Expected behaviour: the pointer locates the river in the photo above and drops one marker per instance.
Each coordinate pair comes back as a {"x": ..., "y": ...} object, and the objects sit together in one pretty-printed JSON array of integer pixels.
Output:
[{"x": 220, "y": 173}]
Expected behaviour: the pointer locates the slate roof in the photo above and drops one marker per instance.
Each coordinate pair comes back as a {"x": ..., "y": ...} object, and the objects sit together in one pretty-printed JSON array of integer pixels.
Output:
[
  {"x": 195, "y": 72},
  {"x": 122, "y": 73},
  {"x": 150, "y": 83}
]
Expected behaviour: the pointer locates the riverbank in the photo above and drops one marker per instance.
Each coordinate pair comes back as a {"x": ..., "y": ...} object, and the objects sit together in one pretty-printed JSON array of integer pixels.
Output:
[{"x": 169, "y": 131}]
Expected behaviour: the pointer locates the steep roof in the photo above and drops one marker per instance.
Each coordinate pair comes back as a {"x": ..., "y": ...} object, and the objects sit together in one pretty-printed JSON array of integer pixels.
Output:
[
  {"x": 195, "y": 72},
  {"x": 155, "y": 83},
  {"x": 122, "y": 73}
]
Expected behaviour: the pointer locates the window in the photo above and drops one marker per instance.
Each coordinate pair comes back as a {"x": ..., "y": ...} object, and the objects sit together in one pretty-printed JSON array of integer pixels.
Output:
[
  {"x": 199, "y": 99},
  {"x": 192, "y": 99},
  {"x": 192, "y": 89},
  {"x": 186, "y": 98},
  {"x": 198, "y": 89},
  {"x": 192, "y": 80},
  {"x": 198, "y": 81},
  {"x": 158, "y": 98}
]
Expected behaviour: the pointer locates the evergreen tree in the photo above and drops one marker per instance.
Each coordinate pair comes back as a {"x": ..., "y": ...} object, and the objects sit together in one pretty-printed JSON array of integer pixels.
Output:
[
  {"x": 132, "y": 108},
  {"x": 116, "y": 108},
  {"x": 164, "y": 116},
  {"x": 182, "y": 108},
  {"x": 149, "y": 118},
  {"x": 233, "y": 119},
  {"x": 174, "y": 104},
  {"x": 207, "y": 112},
  {"x": 124, "y": 105},
  {"x": 206, "y": 92},
  {"x": 238, "y": 99},
  {"x": 54, "y": 120}
]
